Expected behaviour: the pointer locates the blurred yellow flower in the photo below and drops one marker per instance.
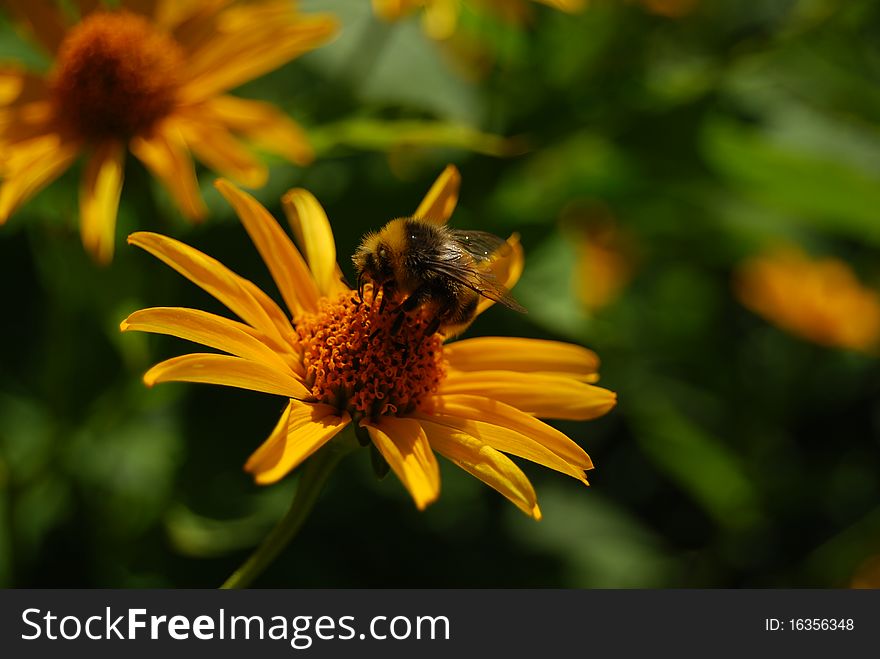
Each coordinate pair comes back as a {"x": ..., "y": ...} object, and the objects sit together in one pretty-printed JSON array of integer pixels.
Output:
[
  {"x": 604, "y": 264},
  {"x": 820, "y": 300},
  {"x": 151, "y": 76},
  {"x": 440, "y": 17},
  {"x": 340, "y": 361}
]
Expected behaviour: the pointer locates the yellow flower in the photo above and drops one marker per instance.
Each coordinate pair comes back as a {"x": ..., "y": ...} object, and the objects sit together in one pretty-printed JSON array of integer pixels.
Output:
[
  {"x": 153, "y": 76},
  {"x": 820, "y": 300},
  {"x": 339, "y": 362},
  {"x": 604, "y": 263},
  {"x": 440, "y": 17}
]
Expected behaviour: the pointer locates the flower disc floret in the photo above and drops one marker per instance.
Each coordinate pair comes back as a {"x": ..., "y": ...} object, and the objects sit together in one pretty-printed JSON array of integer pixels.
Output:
[{"x": 367, "y": 361}]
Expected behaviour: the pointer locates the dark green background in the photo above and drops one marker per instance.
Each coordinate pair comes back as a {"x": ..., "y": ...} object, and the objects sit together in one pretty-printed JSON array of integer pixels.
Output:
[{"x": 738, "y": 455}]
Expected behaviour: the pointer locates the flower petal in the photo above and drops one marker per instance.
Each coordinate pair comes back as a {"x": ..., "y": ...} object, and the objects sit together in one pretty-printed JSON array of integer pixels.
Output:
[
  {"x": 43, "y": 19},
  {"x": 165, "y": 154},
  {"x": 228, "y": 371},
  {"x": 32, "y": 165},
  {"x": 440, "y": 19},
  {"x": 20, "y": 86},
  {"x": 439, "y": 203},
  {"x": 215, "y": 146},
  {"x": 249, "y": 42},
  {"x": 289, "y": 270},
  {"x": 523, "y": 355},
  {"x": 403, "y": 444},
  {"x": 506, "y": 266},
  {"x": 207, "y": 329},
  {"x": 99, "y": 199},
  {"x": 264, "y": 125},
  {"x": 487, "y": 411},
  {"x": 312, "y": 230},
  {"x": 302, "y": 430},
  {"x": 241, "y": 296},
  {"x": 493, "y": 468},
  {"x": 547, "y": 396}
]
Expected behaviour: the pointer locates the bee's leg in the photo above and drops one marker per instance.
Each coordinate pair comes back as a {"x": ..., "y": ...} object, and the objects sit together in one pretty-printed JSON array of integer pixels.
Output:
[
  {"x": 433, "y": 326},
  {"x": 382, "y": 304},
  {"x": 398, "y": 322}
]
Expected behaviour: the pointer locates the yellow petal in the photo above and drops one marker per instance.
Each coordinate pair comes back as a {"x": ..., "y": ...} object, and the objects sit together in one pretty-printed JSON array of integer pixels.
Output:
[
  {"x": 508, "y": 441},
  {"x": 165, "y": 154},
  {"x": 485, "y": 410},
  {"x": 289, "y": 270},
  {"x": 264, "y": 125},
  {"x": 20, "y": 86},
  {"x": 227, "y": 371},
  {"x": 403, "y": 444},
  {"x": 392, "y": 10},
  {"x": 493, "y": 468},
  {"x": 302, "y": 430},
  {"x": 42, "y": 19},
  {"x": 243, "y": 298},
  {"x": 547, "y": 396},
  {"x": 32, "y": 165},
  {"x": 99, "y": 199},
  {"x": 524, "y": 355},
  {"x": 205, "y": 328},
  {"x": 441, "y": 18},
  {"x": 312, "y": 230},
  {"x": 507, "y": 267},
  {"x": 244, "y": 48},
  {"x": 439, "y": 203},
  {"x": 215, "y": 146}
]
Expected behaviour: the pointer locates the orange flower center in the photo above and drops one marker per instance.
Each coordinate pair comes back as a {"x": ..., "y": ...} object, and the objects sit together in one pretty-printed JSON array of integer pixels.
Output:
[
  {"x": 115, "y": 76},
  {"x": 369, "y": 361}
]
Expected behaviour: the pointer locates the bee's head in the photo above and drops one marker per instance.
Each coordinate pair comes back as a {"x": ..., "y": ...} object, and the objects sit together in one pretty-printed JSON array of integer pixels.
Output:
[{"x": 373, "y": 259}]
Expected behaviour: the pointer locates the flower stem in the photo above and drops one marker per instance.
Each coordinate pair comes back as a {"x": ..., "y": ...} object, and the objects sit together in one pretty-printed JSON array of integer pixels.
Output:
[{"x": 315, "y": 473}]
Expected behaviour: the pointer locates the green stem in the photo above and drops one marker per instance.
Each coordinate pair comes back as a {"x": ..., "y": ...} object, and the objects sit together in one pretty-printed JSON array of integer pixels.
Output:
[{"x": 315, "y": 473}]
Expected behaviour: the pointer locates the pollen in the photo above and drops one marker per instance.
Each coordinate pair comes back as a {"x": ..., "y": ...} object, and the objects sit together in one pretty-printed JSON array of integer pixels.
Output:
[
  {"x": 367, "y": 360},
  {"x": 116, "y": 75}
]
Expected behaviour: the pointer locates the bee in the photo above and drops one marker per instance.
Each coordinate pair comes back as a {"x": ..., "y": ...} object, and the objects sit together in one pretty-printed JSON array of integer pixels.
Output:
[{"x": 422, "y": 264}]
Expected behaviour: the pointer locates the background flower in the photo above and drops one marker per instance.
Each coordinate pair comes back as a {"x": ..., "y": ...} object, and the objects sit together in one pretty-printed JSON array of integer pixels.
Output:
[
  {"x": 821, "y": 300},
  {"x": 151, "y": 77}
]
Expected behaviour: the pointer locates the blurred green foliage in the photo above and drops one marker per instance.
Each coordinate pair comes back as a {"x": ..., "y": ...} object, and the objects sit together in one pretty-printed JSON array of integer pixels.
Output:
[{"x": 738, "y": 455}]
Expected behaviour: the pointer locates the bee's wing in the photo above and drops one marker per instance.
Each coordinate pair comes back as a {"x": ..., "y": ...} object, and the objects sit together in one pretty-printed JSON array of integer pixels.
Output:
[
  {"x": 467, "y": 266},
  {"x": 481, "y": 245}
]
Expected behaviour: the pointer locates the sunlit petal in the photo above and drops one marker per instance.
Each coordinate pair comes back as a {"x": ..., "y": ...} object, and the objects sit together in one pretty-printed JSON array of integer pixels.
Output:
[
  {"x": 239, "y": 295},
  {"x": 439, "y": 203},
  {"x": 486, "y": 410},
  {"x": 523, "y": 355},
  {"x": 205, "y": 328},
  {"x": 289, "y": 270},
  {"x": 484, "y": 462},
  {"x": 403, "y": 444},
  {"x": 227, "y": 371},
  {"x": 302, "y": 430},
  {"x": 546, "y": 396},
  {"x": 312, "y": 230},
  {"x": 99, "y": 199}
]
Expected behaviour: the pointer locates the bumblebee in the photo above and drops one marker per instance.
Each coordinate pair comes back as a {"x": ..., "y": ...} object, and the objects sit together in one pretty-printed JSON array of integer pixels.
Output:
[{"x": 422, "y": 264}]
